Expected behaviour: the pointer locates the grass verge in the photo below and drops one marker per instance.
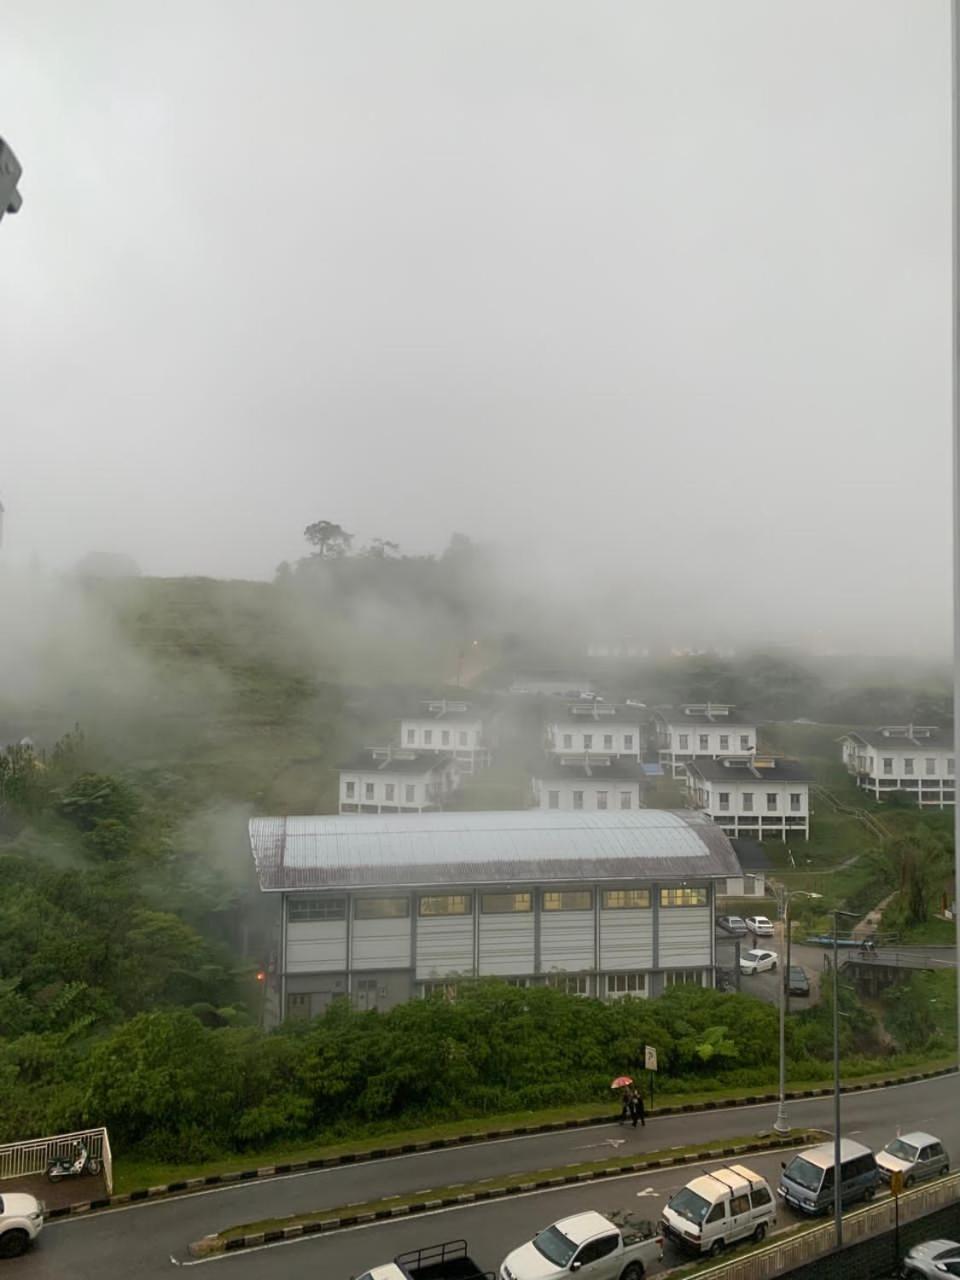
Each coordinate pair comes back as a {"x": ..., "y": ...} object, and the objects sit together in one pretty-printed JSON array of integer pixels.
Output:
[{"x": 131, "y": 1174}]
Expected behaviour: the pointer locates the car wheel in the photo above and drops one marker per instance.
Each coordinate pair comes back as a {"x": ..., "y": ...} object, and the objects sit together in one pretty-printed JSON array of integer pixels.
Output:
[
  {"x": 716, "y": 1249},
  {"x": 761, "y": 1231},
  {"x": 944, "y": 1171},
  {"x": 13, "y": 1243},
  {"x": 869, "y": 1193},
  {"x": 632, "y": 1271},
  {"x": 908, "y": 1182},
  {"x": 773, "y": 966}
]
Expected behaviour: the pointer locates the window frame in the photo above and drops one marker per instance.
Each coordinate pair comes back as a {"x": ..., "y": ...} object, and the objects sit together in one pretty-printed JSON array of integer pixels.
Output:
[
  {"x": 561, "y": 894},
  {"x": 682, "y": 897},
  {"x": 630, "y": 905},
  {"x": 327, "y": 917},
  {"x": 509, "y": 911},
  {"x": 387, "y": 915},
  {"x": 465, "y": 898}
]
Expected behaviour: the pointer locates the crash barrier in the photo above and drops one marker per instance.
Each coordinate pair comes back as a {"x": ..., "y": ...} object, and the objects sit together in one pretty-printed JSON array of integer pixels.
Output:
[
  {"x": 21, "y": 1159},
  {"x": 812, "y": 1244}
]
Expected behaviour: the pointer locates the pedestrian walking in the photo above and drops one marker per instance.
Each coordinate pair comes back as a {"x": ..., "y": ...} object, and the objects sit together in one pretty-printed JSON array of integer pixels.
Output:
[
  {"x": 637, "y": 1109},
  {"x": 625, "y": 1111}
]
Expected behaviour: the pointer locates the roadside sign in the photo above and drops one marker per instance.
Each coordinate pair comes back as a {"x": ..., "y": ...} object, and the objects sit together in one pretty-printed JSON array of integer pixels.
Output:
[
  {"x": 650, "y": 1057},
  {"x": 896, "y": 1182}
]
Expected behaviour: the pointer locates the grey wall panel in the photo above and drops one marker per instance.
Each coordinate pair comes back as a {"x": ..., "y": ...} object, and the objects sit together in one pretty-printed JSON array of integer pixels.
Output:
[
  {"x": 626, "y": 940},
  {"x": 381, "y": 944},
  {"x": 685, "y": 938},
  {"x": 316, "y": 947},
  {"x": 566, "y": 940},
  {"x": 507, "y": 944},
  {"x": 444, "y": 945}
]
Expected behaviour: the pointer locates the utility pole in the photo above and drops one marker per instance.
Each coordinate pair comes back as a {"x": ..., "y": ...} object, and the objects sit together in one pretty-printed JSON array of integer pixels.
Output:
[
  {"x": 10, "y": 171},
  {"x": 955, "y": 353}
]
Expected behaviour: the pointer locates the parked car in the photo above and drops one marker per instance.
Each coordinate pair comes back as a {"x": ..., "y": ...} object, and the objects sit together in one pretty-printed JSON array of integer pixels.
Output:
[
  {"x": 594, "y": 1247},
  {"x": 807, "y": 1182},
  {"x": 719, "y": 1208},
  {"x": 734, "y": 925},
  {"x": 447, "y": 1261},
  {"x": 915, "y": 1155},
  {"x": 758, "y": 961},
  {"x": 759, "y": 926},
  {"x": 798, "y": 984},
  {"x": 932, "y": 1258},
  {"x": 21, "y": 1221}
]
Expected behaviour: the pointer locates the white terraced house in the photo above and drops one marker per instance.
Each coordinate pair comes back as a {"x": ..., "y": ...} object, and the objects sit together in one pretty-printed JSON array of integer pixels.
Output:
[
  {"x": 445, "y": 726},
  {"x": 918, "y": 760},
  {"x": 384, "y": 909},
  {"x": 392, "y": 780},
  {"x": 595, "y": 728},
  {"x": 590, "y": 782},
  {"x": 763, "y": 797},
  {"x": 711, "y": 729}
]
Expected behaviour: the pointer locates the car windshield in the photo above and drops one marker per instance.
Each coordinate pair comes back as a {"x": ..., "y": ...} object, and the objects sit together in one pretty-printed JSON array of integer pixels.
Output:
[
  {"x": 755, "y": 955},
  {"x": 804, "y": 1174},
  {"x": 555, "y": 1246},
  {"x": 735, "y": 920},
  {"x": 902, "y": 1150},
  {"x": 689, "y": 1205},
  {"x": 798, "y": 975}
]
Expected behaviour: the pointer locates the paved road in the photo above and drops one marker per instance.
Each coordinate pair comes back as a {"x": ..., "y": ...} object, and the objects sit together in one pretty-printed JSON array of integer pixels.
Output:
[{"x": 138, "y": 1241}]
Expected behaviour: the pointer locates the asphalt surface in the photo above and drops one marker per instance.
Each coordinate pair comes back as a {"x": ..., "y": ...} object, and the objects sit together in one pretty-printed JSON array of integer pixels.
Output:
[{"x": 138, "y": 1241}]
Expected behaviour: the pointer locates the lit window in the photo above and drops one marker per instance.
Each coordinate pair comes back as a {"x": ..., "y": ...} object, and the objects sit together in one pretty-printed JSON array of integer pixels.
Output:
[
  {"x": 683, "y": 897},
  {"x": 626, "y": 984},
  {"x": 303, "y": 910},
  {"x": 748, "y": 802},
  {"x": 626, "y": 799},
  {"x": 501, "y": 904},
  {"x": 450, "y": 904},
  {"x": 602, "y": 799},
  {"x": 625, "y": 899},
  {"x": 568, "y": 900},
  {"x": 553, "y": 799},
  {"x": 771, "y": 802},
  {"x": 381, "y": 908},
  {"x": 351, "y": 789},
  {"x": 578, "y": 799}
]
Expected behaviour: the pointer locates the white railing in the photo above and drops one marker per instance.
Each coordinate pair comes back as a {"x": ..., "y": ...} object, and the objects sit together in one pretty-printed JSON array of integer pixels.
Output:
[
  {"x": 22, "y": 1159},
  {"x": 813, "y": 1242}
]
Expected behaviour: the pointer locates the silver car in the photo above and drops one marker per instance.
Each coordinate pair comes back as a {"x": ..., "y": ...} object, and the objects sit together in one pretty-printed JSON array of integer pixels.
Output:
[
  {"x": 915, "y": 1155},
  {"x": 932, "y": 1258}
]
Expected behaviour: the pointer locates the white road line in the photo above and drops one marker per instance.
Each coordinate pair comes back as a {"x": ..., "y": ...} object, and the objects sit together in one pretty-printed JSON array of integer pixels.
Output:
[
  {"x": 257, "y": 1183},
  {"x": 453, "y": 1208}
]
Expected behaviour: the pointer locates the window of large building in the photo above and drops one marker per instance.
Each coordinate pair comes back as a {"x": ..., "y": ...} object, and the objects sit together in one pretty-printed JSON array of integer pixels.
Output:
[
  {"x": 626, "y": 984},
  {"x": 625, "y": 899},
  {"x": 683, "y": 978},
  {"x": 351, "y": 788},
  {"x": 389, "y": 791},
  {"x": 931, "y": 765},
  {"x": 447, "y": 904},
  {"x": 309, "y": 910},
  {"x": 888, "y": 764},
  {"x": 568, "y": 742},
  {"x": 368, "y": 790},
  {"x": 588, "y": 742},
  {"x": 795, "y": 798},
  {"x": 501, "y": 904},
  {"x": 411, "y": 736},
  {"x": 771, "y": 802},
  {"x": 568, "y": 900},
  {"x": 723, "y": 801},
  {"x": 683, "y": 897},
  {"x": 724, "y": 742},
  {"x": 553, "y": 799},
  {"x": 574, "y": 984},
  {"x": 626, "y": 799},
  {"x": 427, "y": 737},
  {"x": 381, "y": 908},
  {"x": 748, "y": 802},
  {"x": 908, "y": 764},
  {"x": 704, "y": 742},
  {"x": 744, "y": 742},
  {"x": 608, "y": 742},
  {"x": 684, "y": 741},
  {"x": 602, "y": 799},
  {"x": 628, "y": 742},
  {"x": 578, "y": 799}
]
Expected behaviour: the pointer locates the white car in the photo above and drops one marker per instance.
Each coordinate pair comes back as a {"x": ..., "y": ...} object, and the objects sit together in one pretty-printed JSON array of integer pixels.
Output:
[
  {"x": 590, "y": 1245},
  {"x": 759, "y": 926},
  {"x": 757, "y": 961},
  {"x": 21, "y": 1220}
]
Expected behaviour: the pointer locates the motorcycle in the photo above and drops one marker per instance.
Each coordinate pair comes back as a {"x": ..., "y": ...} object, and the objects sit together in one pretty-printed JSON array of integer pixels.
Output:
[{"x": 78, "y": 1164}]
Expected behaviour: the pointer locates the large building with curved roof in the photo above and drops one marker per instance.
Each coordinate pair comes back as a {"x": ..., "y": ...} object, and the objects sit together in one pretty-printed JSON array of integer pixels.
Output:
[{"x": 383, "y": 908}]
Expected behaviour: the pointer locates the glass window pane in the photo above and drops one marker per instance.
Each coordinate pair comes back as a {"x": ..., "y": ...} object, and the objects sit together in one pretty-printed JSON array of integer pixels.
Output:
[
  {"x": 451, "y": 904},
  {"x": 625, "y": 899},
  {"x": 381, "y": 908},
  {"x": 568, "y": 900},
  {"x": 493, "y": 904}
]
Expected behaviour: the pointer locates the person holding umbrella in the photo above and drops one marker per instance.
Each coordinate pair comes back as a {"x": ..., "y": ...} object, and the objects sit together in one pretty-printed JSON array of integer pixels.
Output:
[
  {"x": 637, "y": 1109},
  {"x": 623, "y": 1083}
]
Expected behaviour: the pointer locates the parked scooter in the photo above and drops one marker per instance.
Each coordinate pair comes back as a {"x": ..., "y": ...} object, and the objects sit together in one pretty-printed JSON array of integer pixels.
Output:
[{"x": 79, "y": 1163}]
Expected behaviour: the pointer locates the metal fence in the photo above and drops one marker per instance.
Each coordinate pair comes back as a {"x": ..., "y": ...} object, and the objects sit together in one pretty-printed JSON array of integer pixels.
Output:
[
  {"x": 814, "y": 1242},
  {"x": 23, "y": 1159}
]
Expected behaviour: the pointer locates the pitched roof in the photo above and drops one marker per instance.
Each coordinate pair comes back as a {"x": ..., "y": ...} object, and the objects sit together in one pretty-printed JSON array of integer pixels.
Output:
[
  {"x": 596, "y": 714},
  {"x": 446, "y": 710},
  {"x": 906, "y": 737},
  {"x": 705, "y": 713},
  {"x": 748, "y": 769},
  {"x": 395, "y": 760},
  {"x": 523, "y": 846},
  {"x": 562, "y": 766}
]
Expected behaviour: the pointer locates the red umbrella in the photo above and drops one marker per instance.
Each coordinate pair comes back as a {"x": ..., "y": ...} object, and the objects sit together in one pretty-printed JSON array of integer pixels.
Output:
[{"x": 621, "y": 1082}]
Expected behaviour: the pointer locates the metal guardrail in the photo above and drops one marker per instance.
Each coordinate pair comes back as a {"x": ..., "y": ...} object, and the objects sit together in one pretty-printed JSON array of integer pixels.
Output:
[
  {"x": 810, "y": 1243},
  {"x": 24, "y": 1159}
]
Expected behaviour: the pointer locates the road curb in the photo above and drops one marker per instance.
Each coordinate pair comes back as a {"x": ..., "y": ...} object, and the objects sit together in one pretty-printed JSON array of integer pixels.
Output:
[
  {"x": 191, "y": 1185},
  {"x": 211, "y": 1245}
]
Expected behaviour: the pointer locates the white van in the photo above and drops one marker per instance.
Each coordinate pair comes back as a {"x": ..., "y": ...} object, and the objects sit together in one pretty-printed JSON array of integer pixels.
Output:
[{"x": 719, "y": 1208}]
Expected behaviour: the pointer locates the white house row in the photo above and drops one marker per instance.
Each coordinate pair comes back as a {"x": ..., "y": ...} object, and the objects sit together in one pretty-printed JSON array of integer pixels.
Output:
[
  {"x": 391, "y": 780},
  {"x": 445, "y": 726},
  {"x": 383, "y": 909},
  {"x": 763, "y": 797},
  {"x": 919, "y": 760},
  {"x": 707, "y": 729}
]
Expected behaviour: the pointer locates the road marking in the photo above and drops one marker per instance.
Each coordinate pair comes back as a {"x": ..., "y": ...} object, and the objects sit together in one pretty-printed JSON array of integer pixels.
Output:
[
  {"x": 647, "y": 1191},
  {"x": 255, "y": 1184},
  {"x": 431, "y": 1213}
]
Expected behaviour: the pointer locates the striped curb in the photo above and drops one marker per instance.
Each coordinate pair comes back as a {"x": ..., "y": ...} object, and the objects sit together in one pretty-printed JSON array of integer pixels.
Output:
[
  {"x": 190, "y": 1185},
  {"x": 215, "y": 1245}
]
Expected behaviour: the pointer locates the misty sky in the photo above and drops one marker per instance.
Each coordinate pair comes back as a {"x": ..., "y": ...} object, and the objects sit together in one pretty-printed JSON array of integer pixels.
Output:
[{"x": 660, "y": 287}]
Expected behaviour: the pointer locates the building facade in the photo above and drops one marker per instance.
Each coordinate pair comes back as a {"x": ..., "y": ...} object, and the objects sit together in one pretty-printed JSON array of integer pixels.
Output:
[
  {"x": 705, "y": 729},
  {"x": 445, "y": 726},
  {"x": 758, "y": 797},
  {"x": 918, "y": 760},
  {"x": 384, "y": 909},
  {"x": 392, "y": 780},
  {"x": 591, "y": 782},
  {"x": 595, "y": 728}
]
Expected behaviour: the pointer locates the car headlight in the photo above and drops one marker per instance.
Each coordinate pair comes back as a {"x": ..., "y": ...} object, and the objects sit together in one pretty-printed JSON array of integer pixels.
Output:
[{"x": 35, "y": 1217}]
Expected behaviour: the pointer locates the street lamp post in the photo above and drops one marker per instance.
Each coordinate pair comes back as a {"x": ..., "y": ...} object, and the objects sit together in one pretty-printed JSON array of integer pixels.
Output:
[
  {"x": 781, "y": 1124},
  {"x": 837, "y": 1162}
]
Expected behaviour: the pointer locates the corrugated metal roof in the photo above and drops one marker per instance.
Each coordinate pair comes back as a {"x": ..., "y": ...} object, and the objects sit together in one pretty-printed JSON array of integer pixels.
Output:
[{"x": 530, "y": 845}]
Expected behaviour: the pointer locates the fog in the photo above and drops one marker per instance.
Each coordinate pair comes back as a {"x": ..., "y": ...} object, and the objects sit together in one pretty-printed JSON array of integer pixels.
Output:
[{"x": 652, "y": 295}]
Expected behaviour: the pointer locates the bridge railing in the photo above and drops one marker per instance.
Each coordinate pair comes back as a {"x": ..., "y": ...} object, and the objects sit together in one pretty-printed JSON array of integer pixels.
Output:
[{"x": 23, "y": 1159}]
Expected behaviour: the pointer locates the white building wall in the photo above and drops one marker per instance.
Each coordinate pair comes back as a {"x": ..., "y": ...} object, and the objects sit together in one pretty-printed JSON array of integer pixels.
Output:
[
  {"x": 507, "y": 943},
  {"x": 567, "y": 940},
  {"x": 590, "y": 787},
  {"x": 625, "y": 739},
  {"x": 684, "y": 937},
  {"x": 444, "y": 946},
  {"x": 428, "y": 734},
  {"x": 317, "y": 946}
]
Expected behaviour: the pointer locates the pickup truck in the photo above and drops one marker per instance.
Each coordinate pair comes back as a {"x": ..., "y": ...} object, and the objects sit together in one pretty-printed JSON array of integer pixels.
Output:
[
  {"x": 446, "y": 1261},
  {"x": 590, "y": 1245}
]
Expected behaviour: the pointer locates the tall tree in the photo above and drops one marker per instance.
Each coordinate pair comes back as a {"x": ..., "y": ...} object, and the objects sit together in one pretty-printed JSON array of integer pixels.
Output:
[{"x": 329, "y": 538}]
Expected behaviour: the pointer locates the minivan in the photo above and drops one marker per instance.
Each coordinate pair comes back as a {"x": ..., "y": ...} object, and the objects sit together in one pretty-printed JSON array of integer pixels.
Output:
[
  {"x": 719, "y": 1208},
  {"x": 807, "y": 1181}
]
